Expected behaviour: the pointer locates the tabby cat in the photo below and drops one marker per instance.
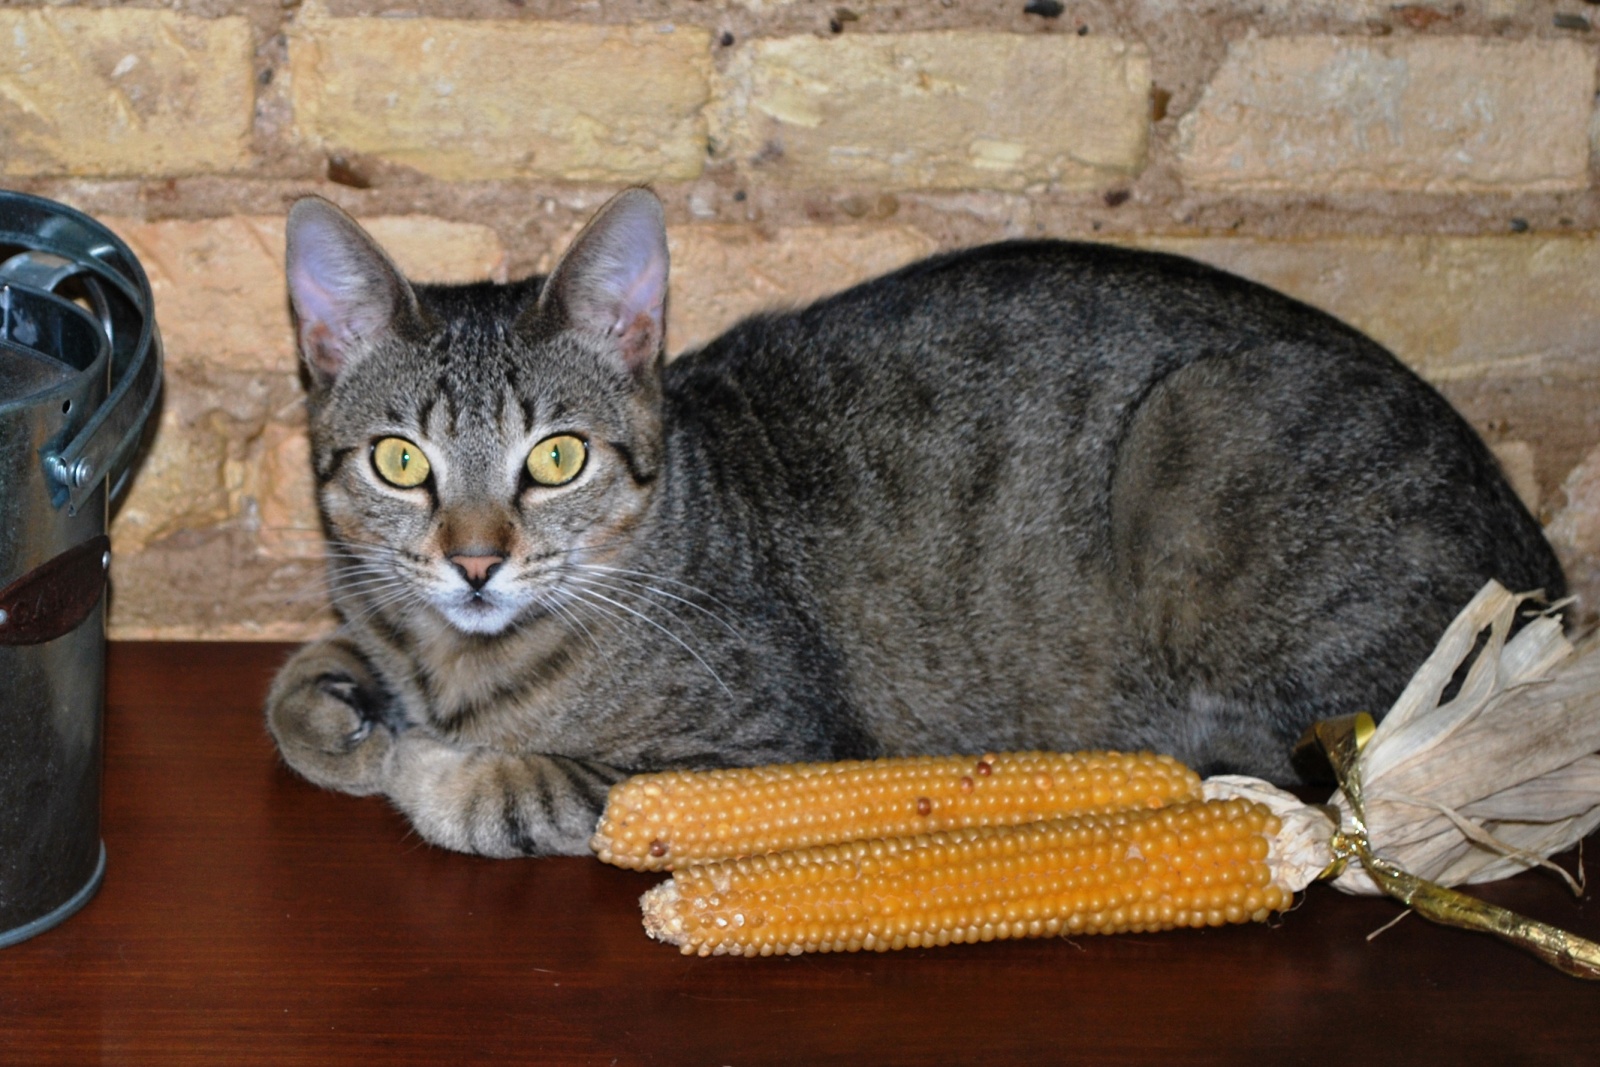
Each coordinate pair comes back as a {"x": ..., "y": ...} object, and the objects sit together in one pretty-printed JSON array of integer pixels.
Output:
[{"x": 1035, "y": 494}]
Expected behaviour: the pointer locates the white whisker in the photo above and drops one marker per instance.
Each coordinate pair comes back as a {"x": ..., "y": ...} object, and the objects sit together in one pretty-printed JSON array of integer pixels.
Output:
[
  {"x": 371, "y": 606},
  {"x": 638, "y": 585},
  {"x": 566, "y": 615},
  {"x": 589, "y": 593},
  {"x": 589, "y": 581},
  {"x": 647, "y": 576}
]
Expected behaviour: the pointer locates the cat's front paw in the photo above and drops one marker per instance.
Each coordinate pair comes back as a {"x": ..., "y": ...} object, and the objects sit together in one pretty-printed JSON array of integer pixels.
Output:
[
  {"x": 494, "y": 802},
  {"x": 326, "y": 713}
]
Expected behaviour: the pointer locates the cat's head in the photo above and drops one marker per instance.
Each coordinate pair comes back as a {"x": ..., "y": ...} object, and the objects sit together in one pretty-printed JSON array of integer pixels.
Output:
[{"x": 471, "y": 452}]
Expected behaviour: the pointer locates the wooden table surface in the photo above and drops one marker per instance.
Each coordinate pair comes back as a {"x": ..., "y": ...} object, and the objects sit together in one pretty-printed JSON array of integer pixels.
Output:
[{"x": 250, "y": 918}]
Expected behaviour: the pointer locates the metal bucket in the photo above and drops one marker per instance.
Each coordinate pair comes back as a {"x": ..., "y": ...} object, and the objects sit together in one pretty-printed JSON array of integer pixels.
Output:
[{"x": 80, "y": 369}]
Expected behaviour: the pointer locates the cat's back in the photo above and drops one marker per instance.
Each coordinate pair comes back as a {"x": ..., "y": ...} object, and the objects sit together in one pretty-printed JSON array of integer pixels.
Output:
[
  {"x": 1046, "y": 483},
  {"x": 1015, "y": 364},
  {"x": 1004, "y": 327}
]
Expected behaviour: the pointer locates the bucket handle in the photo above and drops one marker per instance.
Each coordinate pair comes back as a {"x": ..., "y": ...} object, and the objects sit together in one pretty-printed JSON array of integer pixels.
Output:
[{"x": 105, "y": 445}]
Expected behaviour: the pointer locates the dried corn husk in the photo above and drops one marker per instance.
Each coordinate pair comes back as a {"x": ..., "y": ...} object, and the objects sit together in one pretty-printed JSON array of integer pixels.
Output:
[
  {"x": 1477, "y": 788},
  {"x": 1481, "y": 786},
  {"x": 1501, "y": 776}
]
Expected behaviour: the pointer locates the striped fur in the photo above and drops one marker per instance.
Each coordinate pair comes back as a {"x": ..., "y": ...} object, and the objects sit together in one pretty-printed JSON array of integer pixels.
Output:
[{"x": 1036, "y": 495}]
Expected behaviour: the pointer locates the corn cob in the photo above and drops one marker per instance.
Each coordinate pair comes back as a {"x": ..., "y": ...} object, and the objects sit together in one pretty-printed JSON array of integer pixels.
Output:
[
  {"x": 1196, "y": 863},
  {"x": 663, "y": 821}
]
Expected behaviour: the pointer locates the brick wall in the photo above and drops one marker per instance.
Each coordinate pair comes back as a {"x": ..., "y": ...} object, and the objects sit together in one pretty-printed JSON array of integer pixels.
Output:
[{"x": 1424, "y": 171}]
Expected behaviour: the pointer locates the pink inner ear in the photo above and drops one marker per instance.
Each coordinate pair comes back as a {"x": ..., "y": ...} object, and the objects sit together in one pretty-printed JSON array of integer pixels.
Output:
[
  {"x": 344, "y": 289},
  {"x": 639, "y": 303},
  {"x": 316, "y": 341},
  {"x": 313, "y": 299},
  {"x": 322, "y": 334},
  {"x": 613, "y": 279},
  {"x": 645, "y": 291},
  {"x": 640, "y": 339}
]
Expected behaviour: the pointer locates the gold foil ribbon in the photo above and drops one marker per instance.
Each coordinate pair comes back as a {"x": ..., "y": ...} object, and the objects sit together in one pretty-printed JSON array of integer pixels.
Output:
[{"x": 1342, "y": 739}]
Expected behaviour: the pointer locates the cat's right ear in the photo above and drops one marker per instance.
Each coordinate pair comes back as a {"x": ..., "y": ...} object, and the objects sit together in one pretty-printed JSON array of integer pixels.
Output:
[{"x": 346, "y": 292}]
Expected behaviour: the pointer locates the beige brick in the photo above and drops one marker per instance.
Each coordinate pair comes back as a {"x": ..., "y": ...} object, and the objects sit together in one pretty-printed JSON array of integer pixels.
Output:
[
  {"x": 1574, "y": 532},
  {"x": 212, "y": 585},
  {"x": 505, "y": 99},
  {"x": 722, "y": 273},
  {"x": 1447, "y": 114},
  {"x": 180, "y": 485},
  {"x": 285, "y": 499},
  {"x": 939, "y": 109},
  {"x": 1517, "y": 460},
  {"x": 428, "y": 249},
  {"x": 1452, "y": 307},
  {"x": 211, "y": 419},
  {"x": 219, "y": 285},
  {"x": 1350, "y": 9},
  {"x": 217, "y": 480},
  {"x": 123, "y": 92},
  {"x": 1424, "y": 12}
]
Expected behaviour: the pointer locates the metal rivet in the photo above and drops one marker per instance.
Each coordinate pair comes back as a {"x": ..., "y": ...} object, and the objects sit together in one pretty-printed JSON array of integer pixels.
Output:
[
  {"x": 82, "y": 471},
  {"x": 105, "y": 560}
]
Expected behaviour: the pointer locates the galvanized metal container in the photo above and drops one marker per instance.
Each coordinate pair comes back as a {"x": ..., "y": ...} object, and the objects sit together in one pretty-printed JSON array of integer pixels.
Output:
[{"x": 80, "y": 370}]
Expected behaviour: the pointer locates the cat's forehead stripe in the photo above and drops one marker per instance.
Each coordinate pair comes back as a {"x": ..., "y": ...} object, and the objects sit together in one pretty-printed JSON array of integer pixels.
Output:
[{"x": 524, "y": 402}]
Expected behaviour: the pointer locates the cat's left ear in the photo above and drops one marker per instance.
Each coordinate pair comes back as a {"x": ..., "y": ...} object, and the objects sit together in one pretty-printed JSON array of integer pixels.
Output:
[{"x": 612, "y": 282}]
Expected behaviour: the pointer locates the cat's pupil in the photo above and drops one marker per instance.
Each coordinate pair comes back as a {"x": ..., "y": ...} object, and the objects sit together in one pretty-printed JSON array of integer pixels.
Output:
[{"x": 405, "y": 459}]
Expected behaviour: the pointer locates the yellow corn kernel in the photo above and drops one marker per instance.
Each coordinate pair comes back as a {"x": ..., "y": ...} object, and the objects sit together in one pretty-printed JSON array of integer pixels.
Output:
[
  {"x": 1195, "y": 863},
  {"x": 664, "y": 821}
]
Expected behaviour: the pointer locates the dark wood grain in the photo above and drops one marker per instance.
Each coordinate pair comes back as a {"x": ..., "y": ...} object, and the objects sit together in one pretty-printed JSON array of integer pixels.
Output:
[{"x": 249, "y": 918}]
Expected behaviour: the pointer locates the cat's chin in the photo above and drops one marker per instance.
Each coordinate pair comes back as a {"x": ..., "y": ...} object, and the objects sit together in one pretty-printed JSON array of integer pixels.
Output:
[{"x": 479, "y": 617}]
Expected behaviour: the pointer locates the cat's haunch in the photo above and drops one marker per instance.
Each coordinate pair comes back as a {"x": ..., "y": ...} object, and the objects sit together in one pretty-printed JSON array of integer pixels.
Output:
[{"x": 1031, "y": 495}]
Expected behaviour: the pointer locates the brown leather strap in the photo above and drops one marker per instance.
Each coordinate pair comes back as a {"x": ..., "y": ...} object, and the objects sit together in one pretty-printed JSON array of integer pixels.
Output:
[{"x": 53, "y": 598}]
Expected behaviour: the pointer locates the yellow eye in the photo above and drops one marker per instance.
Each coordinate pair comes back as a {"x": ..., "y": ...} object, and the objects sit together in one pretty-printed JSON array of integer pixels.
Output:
[
  {"x": 557, "y": 460},
  {"x": 399, "y": 462}
]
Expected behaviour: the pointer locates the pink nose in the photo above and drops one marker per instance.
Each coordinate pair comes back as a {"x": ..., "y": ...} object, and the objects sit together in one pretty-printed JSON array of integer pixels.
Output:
[{"x": 476, "y": 569}]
